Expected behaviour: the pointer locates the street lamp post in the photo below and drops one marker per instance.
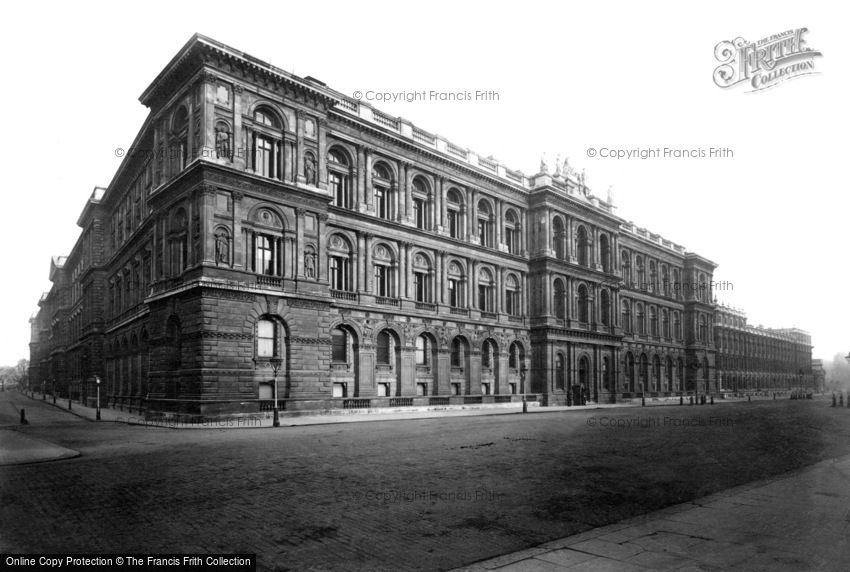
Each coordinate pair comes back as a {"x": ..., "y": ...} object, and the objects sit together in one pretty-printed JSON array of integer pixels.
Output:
[
  {"x": 97, "y": 383},
  {"x": 53, "y": 390},
  {"x": 43, "y": 390},
  {"x": 275, "y": 365}
]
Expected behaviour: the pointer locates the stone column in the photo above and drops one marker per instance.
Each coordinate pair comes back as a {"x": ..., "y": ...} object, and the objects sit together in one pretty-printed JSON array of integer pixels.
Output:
[
  {"x": 322, "y": 270},
  {"x": 207, "y": 224},
  {"x": 367, "y": 245},
  {"x": 240, "y": 145},
  {"x": 401, "y": 195},
  {"x": 300, "y": 118},
  {"x": 322, "y": 160},
  {"x": 208, "y": 116},
  {"x": 300, "y": 213}
]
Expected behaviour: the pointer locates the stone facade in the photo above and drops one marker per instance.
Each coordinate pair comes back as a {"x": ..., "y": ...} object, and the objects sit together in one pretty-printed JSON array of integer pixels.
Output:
[
  {"x": 262, "y": 219},
  {"x": 759, "y": 358}
]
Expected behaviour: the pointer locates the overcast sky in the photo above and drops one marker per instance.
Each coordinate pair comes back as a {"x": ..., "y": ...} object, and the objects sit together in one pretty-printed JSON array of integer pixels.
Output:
[{"x": 611, "y": 75}]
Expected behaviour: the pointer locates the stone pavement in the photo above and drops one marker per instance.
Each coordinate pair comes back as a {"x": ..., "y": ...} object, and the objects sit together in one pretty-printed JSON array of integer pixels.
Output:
[
  {"x": 800, "y": 521},
  {"x": 17, "y": 448},
  {"x": 133, "y": 417}
]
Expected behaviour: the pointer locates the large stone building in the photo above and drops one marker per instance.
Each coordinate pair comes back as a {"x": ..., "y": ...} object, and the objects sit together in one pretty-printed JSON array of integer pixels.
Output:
[
  {"x": 759, "y": 358},
  {"x": 262, "y": 216}
]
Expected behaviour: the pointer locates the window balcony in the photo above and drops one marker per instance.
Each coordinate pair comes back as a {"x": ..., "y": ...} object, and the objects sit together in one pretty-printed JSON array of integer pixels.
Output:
[
  {"x": 427, "y": 306},
  {"x": 385, "y": 301},
  {"x": 344, "y": 295},
  {"x": 270, "y": 281},
  {"x": 459, "y": 311}
]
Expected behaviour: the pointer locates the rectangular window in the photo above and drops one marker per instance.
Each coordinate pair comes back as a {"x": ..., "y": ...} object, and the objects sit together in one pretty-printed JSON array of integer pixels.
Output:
[
  {"x": 452, "y": 222},
  {"x": 265, "y": 338},
  {"x": 420, "y": 282},
  {"x": 453, "y": 294},
  {"x": 339, "y": 189},
  {"x": 264, "y": 254},
  {"x": 419, "y": 212},
  {"x": 483, "y": 234},
  {"x": 382, "y": 281},
  {"x": 264, "y": 157},
  {"x": 338, "y": 275},
  {"x": 483, "y": 303},
  {"x": 339, "y": 347},
  {"x": 381, "y": 209}
]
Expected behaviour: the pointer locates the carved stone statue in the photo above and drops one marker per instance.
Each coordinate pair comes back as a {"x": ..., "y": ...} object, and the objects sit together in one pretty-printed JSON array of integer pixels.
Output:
[
  {"x": 222, "y": 142},
  {"x": 310, "y": 169},
  {"x": 222, "y": 249},
  {"x": 310, "y": 265}
]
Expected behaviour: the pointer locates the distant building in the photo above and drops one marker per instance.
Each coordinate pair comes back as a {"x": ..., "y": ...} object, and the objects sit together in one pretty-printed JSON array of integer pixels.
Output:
[
  {"x": 757, "y": 358},
  {"x": 261, "y": 216}
]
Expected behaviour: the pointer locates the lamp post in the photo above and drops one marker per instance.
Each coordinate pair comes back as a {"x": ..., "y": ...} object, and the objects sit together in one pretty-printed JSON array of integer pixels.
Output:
[
  {"x": 53, "y": 390},
  {"x": 275, "y": 363},
  {"x": 43, "y": 394},
  {"x": 97, "y": 383}
]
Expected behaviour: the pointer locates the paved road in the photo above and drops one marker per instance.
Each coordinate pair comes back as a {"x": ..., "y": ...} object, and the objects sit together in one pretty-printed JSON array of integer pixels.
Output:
[{"x": 428, "y": 494}]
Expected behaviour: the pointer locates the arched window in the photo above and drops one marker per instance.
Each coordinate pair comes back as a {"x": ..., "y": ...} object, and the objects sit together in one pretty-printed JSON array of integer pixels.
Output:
[
  {"x": 703, "y": 294},
  {"x": 644, "y": 372},
  {"x": 339, "y": 264},
  {"x": 383, "y": 263},
  {"x": 487, "y": 354},
  {"x": 680, "y": 374},
  {"x": 179, "y": 240},
  {"x": 626, "y": 267},
  {"x": 382, "y": 184},
  {"x": 665, "y": 279},
  {"x": 630, "y": 372},
  {"x": 560, "y": 237},
  {"x": 340, "y": 351},
  {"x": 423, "y": 350},
  {"x": 640, "y": 318},
  {"x": 665, "y": 323},
  {"x": 703, "y": 330},
  {"x": 677, "y": 326},
  {"x": 339, "y": 178},
  {"x": 560, "y": 371},
  {"x": 513, "y": 356},
  {"x": 653, "y": 321},
  {"x": 583, "y": 246},
  {"x": 384, "y": 347},
  {"x": 559, "y": 297},
  {"x": 485, "y": 223},
  {"x": 180, "y": 139},
  {"x": 677, "y": 285},
  {"x": 266, "y": 143},
  {"x": 626, "y": 316},
  {"x": 458, "y": 356},
  {"x": 641, "y": 273},
  {"x": 656, "y": 373},
  {"x": 422, "y": 276},
  {"x": 583, "y": 305},
  {"x": 512, "y": 232},
  {"x": 456, "y": 286},
  {"x": 605, "y": 253},
  {"x": 512, "y": 306},
  {"x": 669, "y": 375},
  {"x": 421, "y": 195},
  {"x": 485, "y": 291},
  {"x": 267, "y": 338},
  {"x": 267, "y": 243},
  {"x": 454, "y": 213},
  {"x": 605, "y": 308}
]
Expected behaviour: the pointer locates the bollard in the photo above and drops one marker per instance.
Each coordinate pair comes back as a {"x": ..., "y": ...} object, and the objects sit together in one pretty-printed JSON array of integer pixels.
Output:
[
  {"x": 24, "y": 417},
  {"x": 749, "y": 398},
  {"x": 524, "y": 405},
  {"x": 69, "y": 404},
  {"x": 681, "y": 400},
  {"x": 691, "y": 400},
  {"x": 712, "y": 399}
]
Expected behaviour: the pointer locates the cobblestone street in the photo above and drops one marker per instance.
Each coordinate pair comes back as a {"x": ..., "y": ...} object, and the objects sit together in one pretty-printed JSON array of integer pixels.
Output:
[{"x": 428, "y": 494}]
